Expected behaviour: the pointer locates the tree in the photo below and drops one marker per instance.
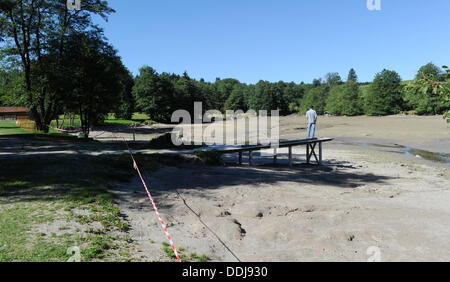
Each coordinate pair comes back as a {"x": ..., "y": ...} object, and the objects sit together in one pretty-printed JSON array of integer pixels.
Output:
[
  {"x": 317, "y": 82},
  {"x": 237, "y": 100},
  {"x": 333, "y": 78},
  {"x": 125, "y": 106},
  {"x": 38, "y": 30},
  {"x": 292, "y": 94},
  {"x": 344, "y": 99},
  {"x": 97, "y": 81},
  {"x": 429, "y": 92},
  {"x": 266, "y": 97},
  {"x": 430, "y": 70},
  {"x": 352, "y": 76},
  {"x": 154, "y": 94},
  {"x": 11, "y": 92},
  {"x": 315, "y": 97},
  {"x": 385, "y": 94},
  {"x": 223, "y": 89}
]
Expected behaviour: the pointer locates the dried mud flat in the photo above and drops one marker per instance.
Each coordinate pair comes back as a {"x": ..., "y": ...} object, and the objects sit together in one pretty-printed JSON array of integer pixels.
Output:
[{"x": 362, "y": 197}]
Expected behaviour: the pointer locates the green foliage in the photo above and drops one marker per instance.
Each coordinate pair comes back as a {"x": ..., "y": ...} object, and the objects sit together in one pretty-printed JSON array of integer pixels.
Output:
[
  {"x": 41, "y": 46},
  {"x": 154, "y": 94},
  {"x": 266, "y": 97},
  {"x": 159, "y": 95},
  {"x": 98, "y": 81},
  {"x": 352, "y": 76},
  {"x": 385, "y": 95},
  {"x": 11, "y": 88},
  {"x": 315, "y": 97},
  {"x": 125, "y": 106},
  {"x": 333, "y": 78},
  {"x": 237, "y": 101},
  {"x": 429, "y": 70},
  {"x": 344, "y": 100},
  {"x": 429, "y": 92}
]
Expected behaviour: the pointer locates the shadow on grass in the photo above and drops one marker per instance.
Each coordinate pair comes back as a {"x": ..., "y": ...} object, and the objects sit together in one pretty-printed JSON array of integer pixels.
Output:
[
  {"x": 22, "y": 174},
  {"x": 25, "y": 178}
]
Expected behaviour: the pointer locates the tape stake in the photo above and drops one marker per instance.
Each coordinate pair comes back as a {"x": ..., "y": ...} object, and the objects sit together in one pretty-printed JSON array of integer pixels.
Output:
[{"x": 158, "y": 215}]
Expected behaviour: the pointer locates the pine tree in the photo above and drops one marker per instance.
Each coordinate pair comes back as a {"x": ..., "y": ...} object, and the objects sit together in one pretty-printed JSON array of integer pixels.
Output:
[{"x": 352, "y": 75}]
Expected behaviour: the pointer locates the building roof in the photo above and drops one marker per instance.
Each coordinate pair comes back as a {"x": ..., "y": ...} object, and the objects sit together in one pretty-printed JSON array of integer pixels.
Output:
[{"x": 7, "y": 110}]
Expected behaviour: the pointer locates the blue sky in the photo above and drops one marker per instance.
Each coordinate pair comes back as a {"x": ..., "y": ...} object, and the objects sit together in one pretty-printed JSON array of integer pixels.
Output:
[{"x": 290, "y": 40}]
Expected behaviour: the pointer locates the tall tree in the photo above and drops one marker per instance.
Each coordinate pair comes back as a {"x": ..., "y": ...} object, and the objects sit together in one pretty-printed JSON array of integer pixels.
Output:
[
  {"x": 315, "y": 97},
  {"x": 385, "y": 95},
  {"x": 97, "y": 81},
  {"x": 344, "y": 99},
  {"x": 154, "y": 94},
  {"x": 352, "y": 75},
  {"x": 237, "y": 100},
  {"x": 430, "y": 70},
  {"x": 427, "y": 93},
  {"x": 33, "y": 29},
  {"x": 333, "y": 78}
]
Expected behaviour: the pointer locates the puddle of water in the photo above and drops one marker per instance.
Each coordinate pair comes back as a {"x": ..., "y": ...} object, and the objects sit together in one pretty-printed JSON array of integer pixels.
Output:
[
  {"x": 426, "y": 155},
  {"x": 393, "y": 146},
  {"x": 431, "y": 156}
]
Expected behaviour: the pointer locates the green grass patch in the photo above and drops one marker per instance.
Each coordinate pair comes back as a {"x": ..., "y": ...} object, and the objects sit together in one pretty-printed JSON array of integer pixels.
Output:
[
  {"x": 120, "y": 122},
  {"x": 10, "y": 128},
  {"x": 193, "y": 257},
  {"x": 21, "y": 214}
]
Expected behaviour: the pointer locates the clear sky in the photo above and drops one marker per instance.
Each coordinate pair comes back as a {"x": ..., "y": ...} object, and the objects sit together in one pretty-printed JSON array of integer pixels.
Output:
[{"x": 290, "y": 40}]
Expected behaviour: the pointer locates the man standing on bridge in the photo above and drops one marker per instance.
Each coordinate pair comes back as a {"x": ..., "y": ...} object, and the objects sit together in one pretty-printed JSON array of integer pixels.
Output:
[{"x": 311, "y": 115}]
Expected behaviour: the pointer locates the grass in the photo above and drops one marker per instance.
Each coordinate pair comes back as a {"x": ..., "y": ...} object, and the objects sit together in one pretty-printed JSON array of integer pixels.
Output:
[
  {"x": 10, "y": 128},
  {"x": 25, "y": 207},
  {"x": 49, "y": 204},
  {"x": 110, "y": 120},
  {"x": 57, "y": 191},
  {"x": 193, "y": 257},
  {"x": 120, "y": 122},
  {"x": 20, "y": 241}
]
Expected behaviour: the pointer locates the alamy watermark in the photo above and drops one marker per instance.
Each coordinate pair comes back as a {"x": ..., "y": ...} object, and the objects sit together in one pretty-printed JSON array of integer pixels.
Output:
[
  {"x": 74, "y": 253},
  {"x": 374, "y": 254},
  {"x": 74, "y": 5},
  {"x": 374, "y": 5},
  {"x": 233, "y": 128}
]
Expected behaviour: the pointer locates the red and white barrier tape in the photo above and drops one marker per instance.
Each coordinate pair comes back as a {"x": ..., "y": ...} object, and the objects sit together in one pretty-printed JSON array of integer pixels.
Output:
[{"x": 161, "y": 221}]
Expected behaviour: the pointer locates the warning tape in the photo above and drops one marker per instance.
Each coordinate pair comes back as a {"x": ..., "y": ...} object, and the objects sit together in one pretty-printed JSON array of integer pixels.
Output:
[
  {"x": 155, "y": 208},
  {"x": 161, "y": 221}
]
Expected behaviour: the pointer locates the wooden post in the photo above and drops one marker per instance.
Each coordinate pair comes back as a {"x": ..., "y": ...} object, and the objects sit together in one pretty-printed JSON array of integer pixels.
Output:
[
  {"x": 240, "y": 158},
  {"x": 307, "y": 154},
  {"x": 250, "y": 158},
  {"x": 320, "y": 153},
  {"x": 290, "y": 156},
  {"x": 275, "y": 155}
]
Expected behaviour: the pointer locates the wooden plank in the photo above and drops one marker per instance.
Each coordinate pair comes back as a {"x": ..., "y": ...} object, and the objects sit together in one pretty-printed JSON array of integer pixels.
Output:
[{"x": 283, "y": 144}]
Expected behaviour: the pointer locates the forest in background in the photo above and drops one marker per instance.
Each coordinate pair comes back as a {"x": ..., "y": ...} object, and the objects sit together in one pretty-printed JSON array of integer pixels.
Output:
[{"x": 55, "y": 61}]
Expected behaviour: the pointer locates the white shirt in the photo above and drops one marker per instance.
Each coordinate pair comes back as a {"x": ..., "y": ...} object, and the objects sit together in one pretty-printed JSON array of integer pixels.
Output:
[{"x": 311, "y": 115}]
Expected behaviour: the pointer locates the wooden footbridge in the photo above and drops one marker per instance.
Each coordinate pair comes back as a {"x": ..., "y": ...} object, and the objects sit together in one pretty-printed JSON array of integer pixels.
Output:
[{"x": 312, "y": 145}]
